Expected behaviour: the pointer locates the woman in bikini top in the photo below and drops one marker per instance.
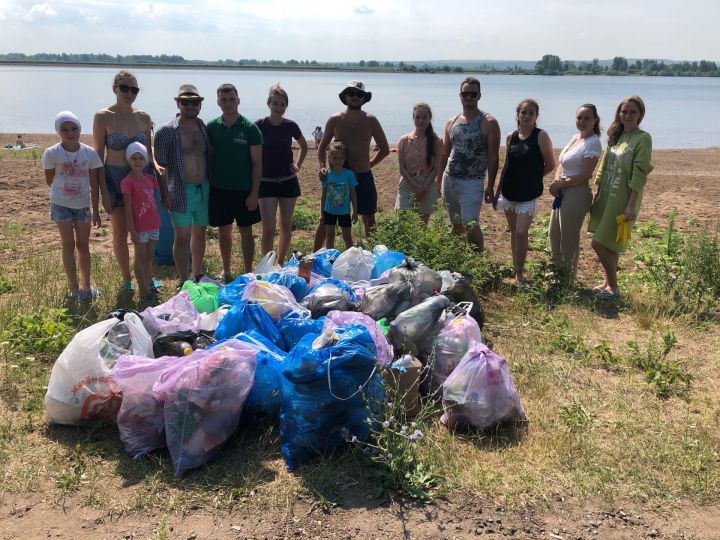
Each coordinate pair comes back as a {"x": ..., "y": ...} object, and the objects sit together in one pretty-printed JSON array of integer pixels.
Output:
[{"x": 114, "y": 128}]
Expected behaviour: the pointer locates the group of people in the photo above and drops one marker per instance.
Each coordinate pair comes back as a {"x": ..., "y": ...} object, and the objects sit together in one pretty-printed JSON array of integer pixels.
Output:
[{"x": 233, "y": 170}]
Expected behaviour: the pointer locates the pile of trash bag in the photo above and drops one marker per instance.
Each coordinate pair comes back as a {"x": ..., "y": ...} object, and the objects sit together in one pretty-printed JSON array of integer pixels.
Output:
[{"x": 310, "y": 350}]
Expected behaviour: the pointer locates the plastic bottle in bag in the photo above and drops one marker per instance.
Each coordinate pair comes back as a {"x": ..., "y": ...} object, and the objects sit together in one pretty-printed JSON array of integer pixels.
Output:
[
  {"x": 115, "y": 343},
  {"x": 305, "y": 268}
]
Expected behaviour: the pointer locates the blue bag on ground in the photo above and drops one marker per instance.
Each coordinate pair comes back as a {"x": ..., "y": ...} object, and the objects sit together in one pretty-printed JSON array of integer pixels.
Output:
[
  {"x": 264, "y": 399},
  {"x": 232, "y": 293},
  {"x": 322, "y": 261},
  {"x": 385, "y": 259},
  {"x": 297, "y": 285},
  {"x": 245, "y": 316},
  {"x": 329, "y": 389},
  {"x": 293, "y": 328}
]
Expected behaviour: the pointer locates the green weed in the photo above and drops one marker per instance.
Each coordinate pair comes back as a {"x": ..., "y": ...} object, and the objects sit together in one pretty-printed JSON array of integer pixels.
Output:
[
  {"x": 669, "y": 378},
  {"x": 47, "y": 330}
]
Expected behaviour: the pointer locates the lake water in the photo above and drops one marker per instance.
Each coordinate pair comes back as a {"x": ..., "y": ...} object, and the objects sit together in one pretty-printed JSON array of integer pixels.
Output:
[{"x": 681, "y": 112}]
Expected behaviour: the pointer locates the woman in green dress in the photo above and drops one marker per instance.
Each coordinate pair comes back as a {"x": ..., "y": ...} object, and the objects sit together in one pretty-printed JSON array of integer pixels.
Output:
[{"x": 621, "y": 179}]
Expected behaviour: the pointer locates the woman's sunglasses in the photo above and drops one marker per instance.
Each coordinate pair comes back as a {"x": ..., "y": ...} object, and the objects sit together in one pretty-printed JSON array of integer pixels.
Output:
[{"x": 124, "y": 88}]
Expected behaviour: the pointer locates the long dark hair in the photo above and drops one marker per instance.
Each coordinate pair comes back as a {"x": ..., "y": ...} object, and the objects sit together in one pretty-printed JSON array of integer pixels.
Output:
[
  {"x": 593, "y": 108},
  {"x": 429, "y": 133},
  {"x": 616, "y": 128}
]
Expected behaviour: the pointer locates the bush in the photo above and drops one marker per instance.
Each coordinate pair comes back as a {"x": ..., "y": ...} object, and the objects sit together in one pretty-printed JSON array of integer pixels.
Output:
[{"x": 436, "y": 246}]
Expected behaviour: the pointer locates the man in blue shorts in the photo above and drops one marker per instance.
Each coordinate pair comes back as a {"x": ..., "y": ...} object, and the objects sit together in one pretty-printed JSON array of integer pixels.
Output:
[
  {"x": 355, "y": 128},
  {"x": 472, "y": 145},
  {"x": 182, "y": 147},
  {"x": 235, "y": 179}
]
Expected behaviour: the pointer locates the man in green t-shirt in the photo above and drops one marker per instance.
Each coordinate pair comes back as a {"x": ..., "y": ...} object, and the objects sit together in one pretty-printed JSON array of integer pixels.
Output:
[{"x": 235, "y": 180}]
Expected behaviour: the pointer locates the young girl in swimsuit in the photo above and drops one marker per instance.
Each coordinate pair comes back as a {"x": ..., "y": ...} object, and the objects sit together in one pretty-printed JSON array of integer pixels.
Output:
[{"x": 114, "y": 128}]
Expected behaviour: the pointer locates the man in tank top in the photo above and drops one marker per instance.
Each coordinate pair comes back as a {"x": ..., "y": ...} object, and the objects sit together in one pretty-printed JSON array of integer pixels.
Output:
[{"x": 472, "y": 145}]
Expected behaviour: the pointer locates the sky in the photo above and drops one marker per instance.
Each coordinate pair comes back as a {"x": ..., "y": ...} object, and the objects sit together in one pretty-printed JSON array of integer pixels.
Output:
[{"x": 338, "y": 30}]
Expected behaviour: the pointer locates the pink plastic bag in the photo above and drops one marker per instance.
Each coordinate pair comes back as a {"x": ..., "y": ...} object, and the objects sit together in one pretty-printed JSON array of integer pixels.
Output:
[
  {"x": 343, "y": 318},
  {"x": 451, "y": 344},
  {"x": 204, "y": 397},
  {"x": 480, "y": 391},
  {"x": 175, "y": 315},
  {"x": 140, "y": 419}
]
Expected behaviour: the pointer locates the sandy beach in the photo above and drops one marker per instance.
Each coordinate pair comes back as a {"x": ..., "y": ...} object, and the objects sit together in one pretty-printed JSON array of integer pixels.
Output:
[{"x": 686, "y": 180}]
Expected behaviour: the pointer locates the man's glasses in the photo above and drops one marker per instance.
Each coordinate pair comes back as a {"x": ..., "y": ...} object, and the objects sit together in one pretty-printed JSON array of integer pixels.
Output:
[
  {"x": 469, "y": 94},
  {"x": 124, "y": 88},
  {"x": 355, "y": 93},
  {"x": 190, "y": 102}
]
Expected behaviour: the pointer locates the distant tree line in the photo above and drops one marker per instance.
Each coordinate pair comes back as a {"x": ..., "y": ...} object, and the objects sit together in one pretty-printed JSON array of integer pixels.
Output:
[{"x": 549, "y": 64}]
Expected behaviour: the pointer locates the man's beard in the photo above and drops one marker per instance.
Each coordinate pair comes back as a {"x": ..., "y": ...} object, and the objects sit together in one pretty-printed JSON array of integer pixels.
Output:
[{"x": 191, "y": 116}]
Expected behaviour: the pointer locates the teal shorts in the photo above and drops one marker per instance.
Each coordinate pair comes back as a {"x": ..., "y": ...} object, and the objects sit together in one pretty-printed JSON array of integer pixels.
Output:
[{"x": 197, "y": 206}]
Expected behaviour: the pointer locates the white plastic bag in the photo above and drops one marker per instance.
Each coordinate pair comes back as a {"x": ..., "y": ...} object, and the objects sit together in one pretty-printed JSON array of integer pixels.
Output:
[
  {"x": 353, "y": 264},
  {"x": 276, "y": 300},
  {"x": 80, "y": 389},
  {"x": 267, "y": 264},
  {"x": 480, "y": 391}
]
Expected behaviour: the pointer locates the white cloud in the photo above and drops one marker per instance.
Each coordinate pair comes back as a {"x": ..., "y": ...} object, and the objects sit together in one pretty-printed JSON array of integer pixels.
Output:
[{"x": 39, "y": 11}]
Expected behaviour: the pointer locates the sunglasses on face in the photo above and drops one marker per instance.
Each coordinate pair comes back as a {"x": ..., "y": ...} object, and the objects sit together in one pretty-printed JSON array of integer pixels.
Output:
[
  {"x": 469, "y": 94},
  {"x": 124, "y": 88},
  {"x": 190, "y": 102},
  {"x": 355, "y": 93}
]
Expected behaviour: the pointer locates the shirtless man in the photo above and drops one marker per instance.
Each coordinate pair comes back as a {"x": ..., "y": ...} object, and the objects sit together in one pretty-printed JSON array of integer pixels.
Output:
[
  {"x": 472, "y": 145},
  {"x": 356, "y": 129},
  {"x": 182, "y": 148}
]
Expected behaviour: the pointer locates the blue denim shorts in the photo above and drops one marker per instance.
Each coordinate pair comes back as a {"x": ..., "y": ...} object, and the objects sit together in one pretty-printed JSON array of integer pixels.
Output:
[
  {"x": 145, "y": 236},
  {"x": 63, "y": 213}
]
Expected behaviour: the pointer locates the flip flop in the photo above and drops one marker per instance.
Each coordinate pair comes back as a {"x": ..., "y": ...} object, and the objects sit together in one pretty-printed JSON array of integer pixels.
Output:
[
  {"x": 89, "y": 295},
  {"x": 128, "y": 286},
  {"x": 155, "y": 283}
]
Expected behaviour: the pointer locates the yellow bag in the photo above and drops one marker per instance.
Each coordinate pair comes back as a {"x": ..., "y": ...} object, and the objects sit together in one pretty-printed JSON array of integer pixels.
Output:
[{"x": 623, "y": 231}]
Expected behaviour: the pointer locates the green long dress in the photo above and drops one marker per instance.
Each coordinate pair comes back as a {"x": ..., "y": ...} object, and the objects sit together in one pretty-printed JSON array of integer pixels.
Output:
[{"x": 624, "y": 167}]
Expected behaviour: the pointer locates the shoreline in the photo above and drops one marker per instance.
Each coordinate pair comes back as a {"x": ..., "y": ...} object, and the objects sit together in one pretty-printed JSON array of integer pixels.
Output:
[{"x": 48, "y": 139}]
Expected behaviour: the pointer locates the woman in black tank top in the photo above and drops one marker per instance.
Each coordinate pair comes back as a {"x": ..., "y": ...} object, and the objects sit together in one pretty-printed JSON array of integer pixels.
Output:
[{"x": 529, "y": 157}]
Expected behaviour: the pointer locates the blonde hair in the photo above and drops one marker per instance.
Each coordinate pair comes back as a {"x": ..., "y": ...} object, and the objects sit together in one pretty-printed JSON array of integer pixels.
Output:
[{"x": 337, "y": 147}]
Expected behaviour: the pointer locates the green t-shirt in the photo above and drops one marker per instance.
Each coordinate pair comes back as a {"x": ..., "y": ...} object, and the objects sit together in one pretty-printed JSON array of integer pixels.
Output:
[{"x": 231, "y": 163}]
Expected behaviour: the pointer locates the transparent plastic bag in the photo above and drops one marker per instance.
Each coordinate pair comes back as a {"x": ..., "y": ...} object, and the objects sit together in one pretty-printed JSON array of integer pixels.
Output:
[
  {"x": 328, "y": 295},
  {"x": 203, "y": 399},
  {"x": 480, "y": 391},
  {"x": 175, "y": 315},
  {"x": 277, "y": 300},
  {"x": 414, "y": 330},
  {"x": 266, "y": 264},
  {"x": 353, "y": 264},
  {"x": 140, "y": 419},
  {"x": 451, "y": 344},
  {"x": 387, "y": 301}
]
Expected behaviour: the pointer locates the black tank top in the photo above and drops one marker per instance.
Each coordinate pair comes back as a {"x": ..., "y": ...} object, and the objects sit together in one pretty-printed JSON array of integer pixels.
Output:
[{"x": 524, "y": 174}]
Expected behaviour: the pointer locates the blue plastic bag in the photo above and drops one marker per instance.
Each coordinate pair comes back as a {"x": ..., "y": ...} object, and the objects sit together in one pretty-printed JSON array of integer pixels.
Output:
[
  {"x": 245, "y": 316},
  {"x": 328, "y": 393},
  {"x": 385, "y": 259},
  {"x": 297, "y": 285},
  {"x": 265, "y": 398},
  {"x": 293, "y": 328},
  {"x": 231, "y": 293}
]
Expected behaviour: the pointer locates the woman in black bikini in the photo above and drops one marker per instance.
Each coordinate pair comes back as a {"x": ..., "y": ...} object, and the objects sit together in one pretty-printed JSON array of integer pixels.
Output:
[{"x": 114, "y": 128}]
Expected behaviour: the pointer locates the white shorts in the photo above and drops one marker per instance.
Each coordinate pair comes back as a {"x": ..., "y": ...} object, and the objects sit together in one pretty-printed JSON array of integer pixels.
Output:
[
  {"x": 526, "y": 207},
  {"x": 463, "y": 197}
]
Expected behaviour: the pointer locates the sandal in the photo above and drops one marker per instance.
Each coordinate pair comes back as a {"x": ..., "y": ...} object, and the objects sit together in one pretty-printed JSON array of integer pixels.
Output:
[
  {"x": 127, "y": 287},
  {"x": 155, "y": 283},
  {"x": 89, "y": 295}
]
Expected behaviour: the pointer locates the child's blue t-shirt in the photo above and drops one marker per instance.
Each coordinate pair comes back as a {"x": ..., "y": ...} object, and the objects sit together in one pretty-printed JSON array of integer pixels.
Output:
[{"x": 338, "y": 185}]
